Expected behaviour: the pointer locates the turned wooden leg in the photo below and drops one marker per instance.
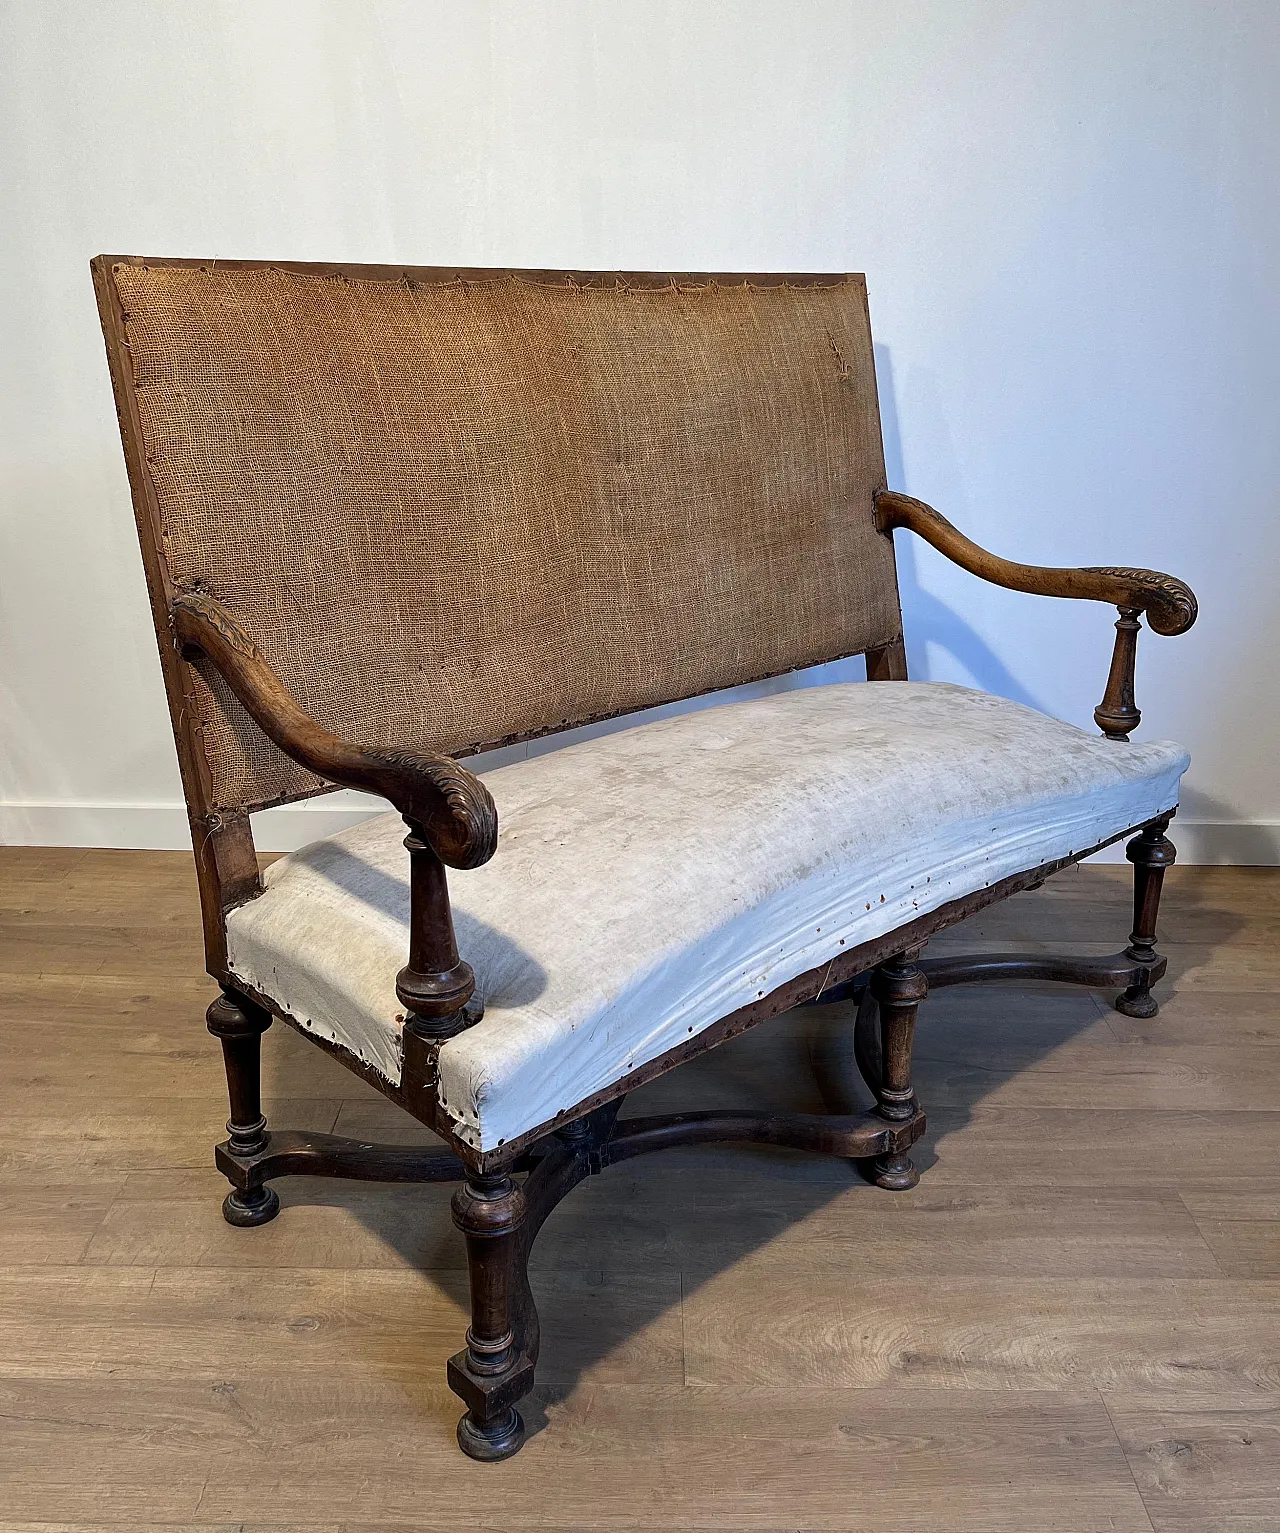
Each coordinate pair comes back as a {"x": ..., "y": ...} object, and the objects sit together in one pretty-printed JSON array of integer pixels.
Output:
[
  {"x": 240, "y": 1024},
  {"x": 1150, "y": 852},
  {"x": 492, "y": 1372},
  {"x": 898, "y": 987}
]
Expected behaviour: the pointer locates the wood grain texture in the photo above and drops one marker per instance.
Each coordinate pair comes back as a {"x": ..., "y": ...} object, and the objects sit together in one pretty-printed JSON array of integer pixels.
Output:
[
  {"x": 451, "y": 803},
  {"x": 1209, "y": 1463},
  {"x": 988, "y": 1332},
  {"x": 1169, "y": 603},
  {"x": 1070, "y": 1324}
]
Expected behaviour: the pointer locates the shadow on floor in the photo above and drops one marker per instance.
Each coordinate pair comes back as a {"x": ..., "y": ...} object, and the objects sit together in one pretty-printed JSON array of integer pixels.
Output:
[{"x": 621, "y": 1252}]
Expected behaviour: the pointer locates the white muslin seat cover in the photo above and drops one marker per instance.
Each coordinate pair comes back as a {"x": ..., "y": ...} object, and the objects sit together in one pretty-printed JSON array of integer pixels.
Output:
[{"x": 652, "y": 880}]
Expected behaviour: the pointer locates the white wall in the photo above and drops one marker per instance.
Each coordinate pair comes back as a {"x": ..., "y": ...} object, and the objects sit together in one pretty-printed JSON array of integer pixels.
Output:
[{"x": 1067, "y": 213}]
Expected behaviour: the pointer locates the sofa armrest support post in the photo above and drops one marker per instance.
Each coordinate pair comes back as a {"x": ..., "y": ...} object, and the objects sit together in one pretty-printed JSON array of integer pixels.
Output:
[
  {"x": 450, "y": 815},
  {"x": 436, "y": 984},
  {"x": 1118, "y": 715}
]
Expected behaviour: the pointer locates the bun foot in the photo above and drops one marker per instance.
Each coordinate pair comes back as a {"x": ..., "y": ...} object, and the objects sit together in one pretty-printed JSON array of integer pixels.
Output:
[
  {"x": 1137, "y": 1003},
  {"x": 895, "y": 1173},
  {"x": 490, "y": 1441},
  {"x": 259, "y": 1205}
]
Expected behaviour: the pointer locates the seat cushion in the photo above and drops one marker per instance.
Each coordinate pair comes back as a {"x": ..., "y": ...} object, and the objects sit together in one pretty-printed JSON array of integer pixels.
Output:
[{"x": 651, "y": 881}]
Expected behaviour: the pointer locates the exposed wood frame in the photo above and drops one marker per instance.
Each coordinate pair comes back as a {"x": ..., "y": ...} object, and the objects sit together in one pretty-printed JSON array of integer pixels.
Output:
[
  {"x": 226, "y": 863},
  {"x": 451, "y": 804},
  {"x": 550, "y": 276},
  {"x": 452, "y": 822},
  {"x": 500, "y": 1217},
  {"x": 1170, "y": 604},
  {"x": 416, "y": 1089}
]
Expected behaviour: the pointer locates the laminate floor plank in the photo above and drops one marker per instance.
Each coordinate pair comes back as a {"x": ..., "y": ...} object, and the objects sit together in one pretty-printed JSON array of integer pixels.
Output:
[
  {"x": 54, "y": 1138},
  {"x": 1197, "y": 1016},
  {"x": 693, "y": 1459},
  {"x": 1211, "y": 1465},
  {"x": 295, "y": 1450},
  {"x": 24, "y": 865},
  {"x": 1246, "y": 1248},
  {"x": 1254, "y": 1193},
  {"x": 1164, "y": 1078},
  {"x": 141, "y": 1324},
  {"x": 654, "y": 1215},
  {"x": 141, "y": 952},
  {"x": 1049, "y": 1146},
  {"x": 107, "y": 1037},
  {"x": 40, "y": 1000},
  {"x": 54, "y": 1225},
  {"x": 1072, "y": 1324},
  {"x": 983, "y": 1332}
]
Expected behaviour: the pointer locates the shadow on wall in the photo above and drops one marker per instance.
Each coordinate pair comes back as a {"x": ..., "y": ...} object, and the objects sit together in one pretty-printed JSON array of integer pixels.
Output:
[
  {"x": 1232, "y": 841},
  {"x": 926, "y": 619}
]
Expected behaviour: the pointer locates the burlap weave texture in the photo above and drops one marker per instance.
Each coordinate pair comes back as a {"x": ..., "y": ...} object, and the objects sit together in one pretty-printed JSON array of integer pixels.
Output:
[{"x": 456, "y": 512}]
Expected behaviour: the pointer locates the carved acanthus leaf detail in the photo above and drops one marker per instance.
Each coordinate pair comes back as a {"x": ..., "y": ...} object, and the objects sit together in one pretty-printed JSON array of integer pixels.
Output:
[
  {"x": 451, "y": 804},
  {"x": 1170, "y": 605},
  {"x": 217, "y": 616},
  {"x": 464, "y": 830}
]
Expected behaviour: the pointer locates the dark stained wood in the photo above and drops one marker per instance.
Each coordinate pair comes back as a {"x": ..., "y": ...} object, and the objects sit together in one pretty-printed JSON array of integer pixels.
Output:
[
  {"x": 240, "y": 1024},
  {"x": 491, "y": 1373},
  {"x": 501, "y": 1221},
  {"x": 449, "y": 812},
  {"x": 861, "y": 1136},
  {"x": 1118, "y": 715},
  {"x": 898, "y": 987},
  {"x": 225, "y": 865},
  {"x": 294, "y": 1152},
  {"x": 227, "y": 840},
  {"x": 1151, "y": 853},
  {"x": 1170, "y": 604},
  {"x": 435, "y": 985},
  {"x": 1114, "y": 973},
  {"x": 888, "y": 663},
  {"x": 867, "y": 1053}
]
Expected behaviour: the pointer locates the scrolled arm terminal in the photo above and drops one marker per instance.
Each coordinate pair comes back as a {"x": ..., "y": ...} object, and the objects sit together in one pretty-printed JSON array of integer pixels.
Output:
[{"x": 451, "y": 804}]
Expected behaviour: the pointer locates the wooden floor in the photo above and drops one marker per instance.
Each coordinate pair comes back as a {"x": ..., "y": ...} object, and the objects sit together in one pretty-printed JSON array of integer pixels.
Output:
[{"x": 1072, "y": 1324}]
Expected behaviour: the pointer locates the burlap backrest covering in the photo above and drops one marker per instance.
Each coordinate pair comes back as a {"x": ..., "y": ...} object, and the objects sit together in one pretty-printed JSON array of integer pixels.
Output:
[{"x": 456, "y": 512}]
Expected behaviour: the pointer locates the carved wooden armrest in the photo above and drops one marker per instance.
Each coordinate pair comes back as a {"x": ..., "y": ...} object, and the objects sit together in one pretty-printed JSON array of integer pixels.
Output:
[
  {"x": 1169, "y": 604},
  {"x": 450, "y": 815},
  {"x": 451, "y": 804}
]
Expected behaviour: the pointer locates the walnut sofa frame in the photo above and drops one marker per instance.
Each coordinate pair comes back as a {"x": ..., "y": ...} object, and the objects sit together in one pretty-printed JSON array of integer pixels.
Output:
[{"x": 507, "y": 1193}]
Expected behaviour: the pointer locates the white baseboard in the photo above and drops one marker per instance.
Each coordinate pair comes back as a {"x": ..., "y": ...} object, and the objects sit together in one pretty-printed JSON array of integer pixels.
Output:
[
  {"x": 1216, "y": 843},
  {"x": 1252, "y": 844},
  {"x": 163, "y": 827}
]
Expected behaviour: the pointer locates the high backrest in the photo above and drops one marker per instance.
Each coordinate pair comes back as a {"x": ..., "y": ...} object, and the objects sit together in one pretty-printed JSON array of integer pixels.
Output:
[{"x": 455, "y": 509}]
